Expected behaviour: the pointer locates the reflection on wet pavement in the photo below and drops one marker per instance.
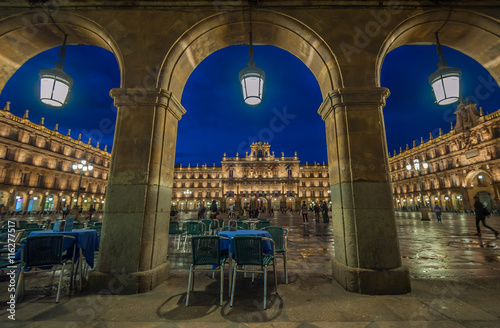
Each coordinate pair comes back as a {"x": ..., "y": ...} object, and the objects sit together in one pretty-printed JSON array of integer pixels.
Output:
[{"x": 429, "y": 249}]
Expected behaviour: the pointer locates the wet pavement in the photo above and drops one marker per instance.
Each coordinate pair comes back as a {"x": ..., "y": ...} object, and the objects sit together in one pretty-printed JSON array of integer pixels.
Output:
[{"x": 455, "y": 283}]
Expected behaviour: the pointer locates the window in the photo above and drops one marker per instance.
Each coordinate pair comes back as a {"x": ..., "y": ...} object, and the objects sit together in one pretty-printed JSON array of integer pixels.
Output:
[
  {"x": 216, "y": 194},
  {"x": 303, "y": 184},
  {"x": 24, "y": 178},
  {"x": 303, "y": 194},
  {"x": 321, "y": 193},
  {"x": 313, "y": 193},
  {"x": 454, "y": 181},
  {"x": 40, "y": 181}
]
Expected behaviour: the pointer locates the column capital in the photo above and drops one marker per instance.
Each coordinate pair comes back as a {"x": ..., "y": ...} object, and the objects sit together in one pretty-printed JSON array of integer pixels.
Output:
[
  {"x": 148, "y": 97},
  {"x": 353, "y": 96}
]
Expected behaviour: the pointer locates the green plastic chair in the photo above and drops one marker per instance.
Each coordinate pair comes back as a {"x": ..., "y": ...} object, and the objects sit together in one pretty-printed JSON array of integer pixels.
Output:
[
  {"x": 221, "y": 222},
  {"x": 207, "y": 225},
  {"x": 173, "y": 230},
  {"x": 279, "y": 236},
  {"x": 206, "y": 251},
  {"x": 249, "y": 252},
  {"x": 263, "y": 224},
  {"x": 42, "y": 251},
  {"x": 78, "y": 225},
  {"x": 32, "y": 225},
  {"x": 190, "y": 229},
  {"x": 242, "y": 226}
]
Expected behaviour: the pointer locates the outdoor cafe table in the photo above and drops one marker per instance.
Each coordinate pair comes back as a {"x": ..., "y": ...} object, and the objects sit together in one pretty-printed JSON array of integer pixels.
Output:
[
  {"x": 86, "y": 241},
  {"x": 228, "y": 245}
]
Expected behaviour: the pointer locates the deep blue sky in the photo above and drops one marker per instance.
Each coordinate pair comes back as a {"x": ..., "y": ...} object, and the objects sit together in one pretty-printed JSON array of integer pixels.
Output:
[{"x": 218, "y": 121}]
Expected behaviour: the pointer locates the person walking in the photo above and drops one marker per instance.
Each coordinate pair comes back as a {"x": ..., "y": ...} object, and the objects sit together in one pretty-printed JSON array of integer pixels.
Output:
[
  {"x": 213, "y": 210},
  {"x": 324, "y": 208},
  {"x": 316, "y": 212},
  {"x": 481, "y": 213},
  {"x": 303, "y": 209},
  {"x": 437, "y": 210}
]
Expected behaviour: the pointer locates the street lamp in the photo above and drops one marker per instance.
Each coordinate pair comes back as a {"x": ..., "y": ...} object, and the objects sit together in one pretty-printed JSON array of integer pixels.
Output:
[
  {"x": 418, "y": 168},
  {"x": 188, "y": 193},
  {"x": 82, "y": 167}
]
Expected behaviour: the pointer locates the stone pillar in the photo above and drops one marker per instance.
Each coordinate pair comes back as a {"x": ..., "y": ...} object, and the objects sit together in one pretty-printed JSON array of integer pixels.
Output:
[
  {"x": 41, "y": 204},
  {"x": 134, "y": 240},
  {"x": 367, "y": 258}
]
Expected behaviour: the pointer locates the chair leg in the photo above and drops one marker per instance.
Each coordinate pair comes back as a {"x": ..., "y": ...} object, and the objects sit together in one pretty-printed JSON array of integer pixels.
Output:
[
  {"x": 275, "y": 276},
  {"x": 221, "y": 283},
  {"x": 189, "y": 284},
  {"x": 59, "y": 286},
  {"x": 20, "y": 287},
  {"x": 71, "y": 276},
  {"x": 265, "y": 285},
  {"x": 184, "y": 245},
  {"x": 286, "y": 271},
  {"x": 232, "y": 286}
]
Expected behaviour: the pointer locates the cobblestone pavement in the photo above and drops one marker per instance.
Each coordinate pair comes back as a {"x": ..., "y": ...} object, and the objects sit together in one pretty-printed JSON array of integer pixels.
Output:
[{"x": 455, "y": 283}]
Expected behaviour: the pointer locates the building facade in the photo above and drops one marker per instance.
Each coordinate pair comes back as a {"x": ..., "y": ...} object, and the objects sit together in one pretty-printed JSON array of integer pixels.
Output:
[
  {"x": 36, "y": 167},
  {"x": 260, "y": 179},
  {"x": 462, "y": 163}
]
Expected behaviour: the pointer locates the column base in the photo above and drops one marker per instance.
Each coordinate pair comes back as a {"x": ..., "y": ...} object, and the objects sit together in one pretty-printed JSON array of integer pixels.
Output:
[
  {"x": 121, "y": 283},
  {"x": 372, "y": 282}
]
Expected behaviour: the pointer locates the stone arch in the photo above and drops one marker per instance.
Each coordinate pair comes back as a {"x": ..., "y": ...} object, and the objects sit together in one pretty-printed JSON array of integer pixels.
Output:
[
  {"x": 472, "y": 174},
  {"x": 25, "y": 35},
  {"x": 474, "y": 34},
  {"x": 222, "y": 30}
]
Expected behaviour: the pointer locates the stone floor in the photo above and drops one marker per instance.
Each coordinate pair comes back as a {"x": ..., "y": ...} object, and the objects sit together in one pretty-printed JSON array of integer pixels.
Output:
[{"x": 455, "y": 283}]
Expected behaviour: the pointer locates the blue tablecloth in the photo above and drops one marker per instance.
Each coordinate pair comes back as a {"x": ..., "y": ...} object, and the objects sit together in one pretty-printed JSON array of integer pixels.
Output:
[
  {"x": 267, "y": 246},
  {"x": 86, "y": 240}
]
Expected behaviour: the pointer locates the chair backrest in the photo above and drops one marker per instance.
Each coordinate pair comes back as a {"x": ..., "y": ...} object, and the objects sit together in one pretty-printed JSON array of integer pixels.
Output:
[
  {"x": 263, "y": 224},
  {"x": 32, "y": 225},
  {"x": 278, "y": 235},
  {"x": 206, "y": 250},
  {"x": 173, "y": 227},
  {"x": 191, "y": 227},
  {"x": 22, "y": 224},
  {"x": 248, "y": 250},
  {"x": 78, "y": 225},
  {"x": 221, "y": 222},
  {"x": 43, "y": 250},
  {"x": 243, "y": 225},
  {"x": 207, "y": 224}
]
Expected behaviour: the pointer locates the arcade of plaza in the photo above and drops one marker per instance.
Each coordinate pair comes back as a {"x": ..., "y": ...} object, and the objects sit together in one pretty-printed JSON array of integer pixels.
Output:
[{"x": 336, "y": 41}]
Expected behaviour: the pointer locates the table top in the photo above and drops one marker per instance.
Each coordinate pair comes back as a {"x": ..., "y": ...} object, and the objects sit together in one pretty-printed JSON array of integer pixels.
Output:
[{"x": 226, "y": 245}]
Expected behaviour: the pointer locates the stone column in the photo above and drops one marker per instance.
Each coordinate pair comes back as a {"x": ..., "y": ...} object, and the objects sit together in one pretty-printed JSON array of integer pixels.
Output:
[
  {"x": 134, "y": 240},
  {"x": 367, "y": 258}
]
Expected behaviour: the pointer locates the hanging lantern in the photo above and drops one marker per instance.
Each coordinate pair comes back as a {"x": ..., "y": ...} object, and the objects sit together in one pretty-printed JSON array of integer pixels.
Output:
[
  {"x": 54, "y": 82},
  {"x": 445, "y": 81},
  {"x": 252, "y": 80}
]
